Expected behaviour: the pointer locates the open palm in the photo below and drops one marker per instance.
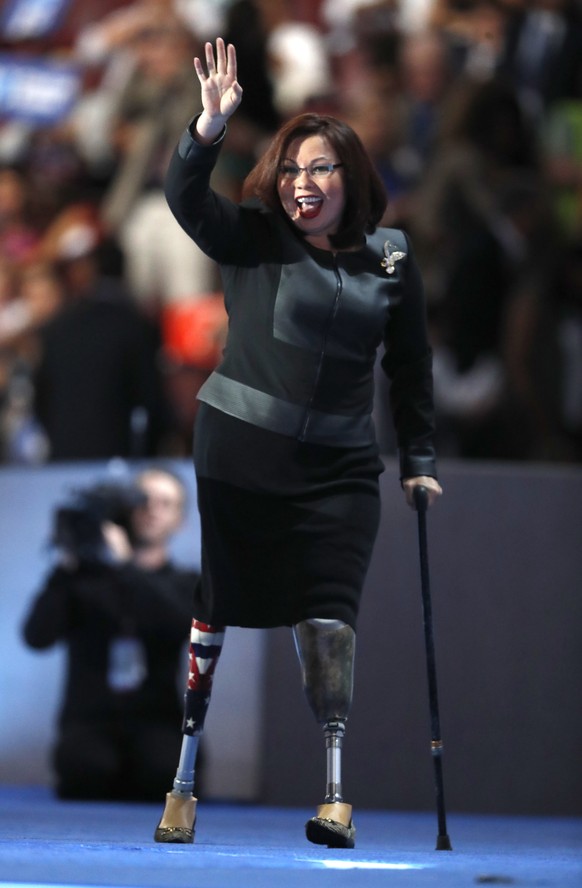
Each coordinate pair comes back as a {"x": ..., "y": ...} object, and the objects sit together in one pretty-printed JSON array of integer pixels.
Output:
[{"x": 220, "y": 91}]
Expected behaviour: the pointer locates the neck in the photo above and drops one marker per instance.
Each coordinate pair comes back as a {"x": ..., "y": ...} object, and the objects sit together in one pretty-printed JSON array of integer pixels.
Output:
[
  {"x": 150, "y": 557},
  {"x": 319, "y": 241}
]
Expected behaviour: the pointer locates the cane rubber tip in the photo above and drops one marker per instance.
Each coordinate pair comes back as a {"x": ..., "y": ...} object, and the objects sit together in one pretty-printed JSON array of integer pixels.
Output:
[{"x": 443, "y": 843}]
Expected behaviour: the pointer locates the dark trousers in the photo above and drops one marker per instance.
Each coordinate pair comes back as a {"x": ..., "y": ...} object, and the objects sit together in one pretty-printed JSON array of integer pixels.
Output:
[{"x": 133, "y": 761}]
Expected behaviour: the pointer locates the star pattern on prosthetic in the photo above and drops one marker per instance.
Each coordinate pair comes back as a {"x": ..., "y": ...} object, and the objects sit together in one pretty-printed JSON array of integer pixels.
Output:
[
  {"x": 196, "y": 705},
  {"x": 205, "y": 647}
]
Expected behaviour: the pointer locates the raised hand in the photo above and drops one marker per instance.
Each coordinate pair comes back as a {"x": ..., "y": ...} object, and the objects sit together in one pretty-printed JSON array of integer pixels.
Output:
[
  {"x": 221, "y": 93},
  {"x": 117, "y": 541}
]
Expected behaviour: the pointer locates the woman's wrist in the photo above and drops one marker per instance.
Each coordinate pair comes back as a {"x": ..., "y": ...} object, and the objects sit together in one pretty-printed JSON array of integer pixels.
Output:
[{"x": 208, "y": 130}]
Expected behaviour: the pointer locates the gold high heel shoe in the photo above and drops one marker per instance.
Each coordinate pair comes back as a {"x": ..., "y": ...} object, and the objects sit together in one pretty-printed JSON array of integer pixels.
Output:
[
  {"x": 332, "y": 826},
  {"x": 178, "y": 820}
]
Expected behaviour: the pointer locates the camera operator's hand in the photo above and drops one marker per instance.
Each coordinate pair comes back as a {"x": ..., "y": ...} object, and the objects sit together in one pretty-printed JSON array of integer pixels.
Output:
[{"x": 117, "y": 542}]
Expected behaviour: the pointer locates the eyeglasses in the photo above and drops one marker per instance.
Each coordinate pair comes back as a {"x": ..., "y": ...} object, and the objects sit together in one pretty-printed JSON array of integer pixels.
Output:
[{"x": 315, "y": 171}]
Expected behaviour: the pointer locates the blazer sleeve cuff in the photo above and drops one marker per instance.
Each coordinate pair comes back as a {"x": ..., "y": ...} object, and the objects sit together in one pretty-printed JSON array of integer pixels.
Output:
[
  {"x": 413, "y": 465},
  {"x": 189, "y": 148}
]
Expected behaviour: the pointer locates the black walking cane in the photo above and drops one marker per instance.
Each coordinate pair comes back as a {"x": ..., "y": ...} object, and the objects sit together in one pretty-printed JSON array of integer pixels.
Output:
[{"x": 420, "y": 496}]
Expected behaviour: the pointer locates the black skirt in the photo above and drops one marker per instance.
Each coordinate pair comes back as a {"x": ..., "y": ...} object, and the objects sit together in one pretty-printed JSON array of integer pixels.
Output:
[{"x": 288, "y": 528}]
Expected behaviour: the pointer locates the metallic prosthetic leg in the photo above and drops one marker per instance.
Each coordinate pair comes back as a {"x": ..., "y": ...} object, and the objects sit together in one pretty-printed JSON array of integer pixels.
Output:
[
  {"x": 179, "y": 817},
  {"x": 326, "y": 650}
]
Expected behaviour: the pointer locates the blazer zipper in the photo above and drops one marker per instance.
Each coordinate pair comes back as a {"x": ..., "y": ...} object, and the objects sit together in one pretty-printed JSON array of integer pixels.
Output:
[{"x": 331, "y": 318}]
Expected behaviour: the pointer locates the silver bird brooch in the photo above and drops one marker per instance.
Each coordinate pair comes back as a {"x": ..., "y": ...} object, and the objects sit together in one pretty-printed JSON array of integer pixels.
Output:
[{"x": 391, "y": 256}]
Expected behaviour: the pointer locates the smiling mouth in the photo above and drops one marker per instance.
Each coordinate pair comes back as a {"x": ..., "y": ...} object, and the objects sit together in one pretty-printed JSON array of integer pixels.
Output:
[{"x": 309, "y": 207}]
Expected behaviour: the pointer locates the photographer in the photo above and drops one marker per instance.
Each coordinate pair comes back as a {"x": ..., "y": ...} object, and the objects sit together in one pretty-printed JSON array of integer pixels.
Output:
[{"x": 124, "y": 613}]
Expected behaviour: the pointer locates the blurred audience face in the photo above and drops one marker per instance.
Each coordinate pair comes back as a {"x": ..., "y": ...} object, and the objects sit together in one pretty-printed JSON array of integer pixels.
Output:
[
  {"x": 162, "y": 513},
  {"x": 424, "y": 68},
  {"x": 163, "y": 50},
  {"x": 12, "y": 195},
  {"x": 42, "y": 290},
  {"x": 7, "y": 281}
]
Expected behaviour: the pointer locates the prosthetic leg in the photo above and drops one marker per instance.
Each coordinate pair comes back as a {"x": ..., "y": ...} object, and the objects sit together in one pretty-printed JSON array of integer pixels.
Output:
[
  {"x": 179, "y": 817},
  {"x": 326, "y": 651}
]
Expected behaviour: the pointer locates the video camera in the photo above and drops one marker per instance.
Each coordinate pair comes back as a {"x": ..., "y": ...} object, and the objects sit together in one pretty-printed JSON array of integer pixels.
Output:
[{"x": 77, "y": 524}]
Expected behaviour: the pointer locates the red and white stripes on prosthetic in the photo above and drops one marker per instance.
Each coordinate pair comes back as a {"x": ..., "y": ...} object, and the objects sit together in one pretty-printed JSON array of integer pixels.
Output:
[{"x": 178, "y": 819}]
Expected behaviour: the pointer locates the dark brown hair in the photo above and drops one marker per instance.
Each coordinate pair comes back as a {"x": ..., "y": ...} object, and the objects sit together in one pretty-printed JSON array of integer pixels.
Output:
[{"x": 366, "y": 197}]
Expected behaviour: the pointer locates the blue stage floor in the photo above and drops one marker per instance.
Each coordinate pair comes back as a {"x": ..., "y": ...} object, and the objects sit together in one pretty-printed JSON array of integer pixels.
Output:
[{"x": 47, "y": 842}]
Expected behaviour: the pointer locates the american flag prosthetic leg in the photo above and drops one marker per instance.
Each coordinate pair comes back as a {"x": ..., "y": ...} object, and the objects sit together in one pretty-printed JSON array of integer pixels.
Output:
[{"x": 178, "y": 819}]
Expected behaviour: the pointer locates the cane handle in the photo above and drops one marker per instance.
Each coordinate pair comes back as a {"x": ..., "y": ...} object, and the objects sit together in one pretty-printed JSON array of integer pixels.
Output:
[{"x": 420, "y": 496}]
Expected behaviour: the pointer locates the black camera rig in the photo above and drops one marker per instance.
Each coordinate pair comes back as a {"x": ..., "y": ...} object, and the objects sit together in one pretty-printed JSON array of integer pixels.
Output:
[{"x": 77, "y": 525}]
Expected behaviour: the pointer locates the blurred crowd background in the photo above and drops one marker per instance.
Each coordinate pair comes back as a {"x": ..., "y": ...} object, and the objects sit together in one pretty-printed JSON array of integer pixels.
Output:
[{"x": 110, "y": 318}]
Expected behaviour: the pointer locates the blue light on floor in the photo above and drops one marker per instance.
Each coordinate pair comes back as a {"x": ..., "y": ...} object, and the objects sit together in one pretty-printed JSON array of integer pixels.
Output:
[{"x": 369, "y": 865}]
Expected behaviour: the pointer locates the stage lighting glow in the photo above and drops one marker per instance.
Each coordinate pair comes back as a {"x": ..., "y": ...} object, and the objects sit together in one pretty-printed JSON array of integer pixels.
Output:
[{"x": 370, "y": 865}]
